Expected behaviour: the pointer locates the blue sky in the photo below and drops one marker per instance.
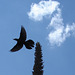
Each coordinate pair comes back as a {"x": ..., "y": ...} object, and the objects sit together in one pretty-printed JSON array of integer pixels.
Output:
[{"x": 52, "y": 23}]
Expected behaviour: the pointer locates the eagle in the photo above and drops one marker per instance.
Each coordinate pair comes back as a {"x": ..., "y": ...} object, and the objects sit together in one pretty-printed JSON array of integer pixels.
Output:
[{"x": 29, "y": 44}]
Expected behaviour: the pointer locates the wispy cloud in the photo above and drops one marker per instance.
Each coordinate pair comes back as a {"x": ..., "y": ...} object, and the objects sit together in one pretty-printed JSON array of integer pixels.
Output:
[
  {"x": 43, "y": 8},
  {"x": 59, "y": 35},
  {"x": 59, "y": 32}
]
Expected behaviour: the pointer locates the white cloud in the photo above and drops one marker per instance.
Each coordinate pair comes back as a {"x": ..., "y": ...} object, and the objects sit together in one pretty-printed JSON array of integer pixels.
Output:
[
  {"x": 43, "y": 8},
  {"x": 59, "y": 32},
  {"x": 58, "y": 36},
  {"x": 55, "y": 37}
]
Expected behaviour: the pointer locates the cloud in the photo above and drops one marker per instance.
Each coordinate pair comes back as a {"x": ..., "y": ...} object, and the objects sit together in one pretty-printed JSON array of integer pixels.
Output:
[
  {"x": 43, "y": 8},
  {"x": 59, "y": 35},
  {"x": 59, "y": 32}
]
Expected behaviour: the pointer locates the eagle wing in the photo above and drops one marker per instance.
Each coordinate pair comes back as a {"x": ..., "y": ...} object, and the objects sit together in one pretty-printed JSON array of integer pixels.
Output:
[
  {"x": 23, "y": 35},
  {"x": 16, "y": 47}
]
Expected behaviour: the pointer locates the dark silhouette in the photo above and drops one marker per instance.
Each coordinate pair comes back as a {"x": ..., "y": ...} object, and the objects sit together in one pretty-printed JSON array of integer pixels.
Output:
[
  {"x": 38, "y": 65},
  {"x": 22, "y": 41}
]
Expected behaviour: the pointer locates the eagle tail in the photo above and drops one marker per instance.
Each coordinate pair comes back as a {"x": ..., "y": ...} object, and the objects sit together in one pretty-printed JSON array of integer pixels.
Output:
[{"x": 29, "y": 44}]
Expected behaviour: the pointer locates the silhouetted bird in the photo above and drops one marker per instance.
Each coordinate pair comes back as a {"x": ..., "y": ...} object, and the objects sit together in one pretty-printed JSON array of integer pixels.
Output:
[{"x": 22, "y": 41}]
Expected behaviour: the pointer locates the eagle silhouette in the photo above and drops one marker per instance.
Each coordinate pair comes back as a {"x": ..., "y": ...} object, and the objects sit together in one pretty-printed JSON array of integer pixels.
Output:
[{"x": 22, "y": 41}]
